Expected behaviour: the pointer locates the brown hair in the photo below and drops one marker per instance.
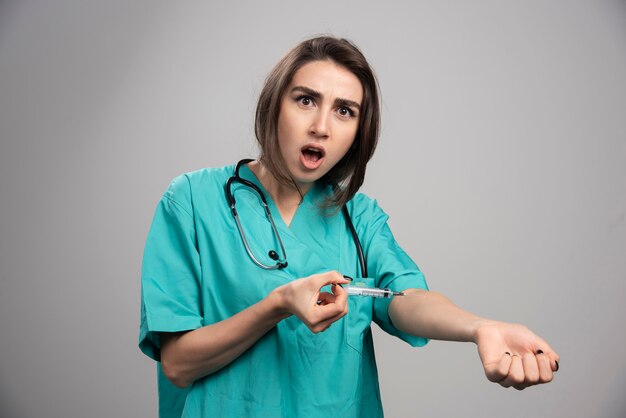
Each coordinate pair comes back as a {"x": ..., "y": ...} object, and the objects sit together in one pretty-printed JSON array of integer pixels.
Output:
[{"x": 347, "y": 176}]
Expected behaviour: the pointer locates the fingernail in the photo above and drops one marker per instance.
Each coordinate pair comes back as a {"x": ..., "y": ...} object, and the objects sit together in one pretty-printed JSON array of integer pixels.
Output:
[
  {"x": 347, "y": 277},
  {"x": 557, "y": 366},
  {"x": 539, "y": 352},
  {"x": 507, "y": 353}
]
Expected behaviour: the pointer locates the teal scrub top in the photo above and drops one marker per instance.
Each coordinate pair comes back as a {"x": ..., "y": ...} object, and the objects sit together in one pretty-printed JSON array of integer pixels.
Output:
[{"x": 196, "y": 272}]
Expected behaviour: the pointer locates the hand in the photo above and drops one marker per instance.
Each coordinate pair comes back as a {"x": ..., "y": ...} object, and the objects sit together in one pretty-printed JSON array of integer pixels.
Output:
[
  {"x": 318, "y": 310},
  {"x": 512, "y": 355}
]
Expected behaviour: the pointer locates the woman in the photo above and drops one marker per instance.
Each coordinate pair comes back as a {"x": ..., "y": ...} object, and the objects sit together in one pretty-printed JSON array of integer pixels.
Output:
[{"x": 246, "y": 310}]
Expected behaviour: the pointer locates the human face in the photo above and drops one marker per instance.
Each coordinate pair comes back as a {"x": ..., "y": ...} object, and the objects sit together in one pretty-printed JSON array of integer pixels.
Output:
[{"x": 318, "y": 120}]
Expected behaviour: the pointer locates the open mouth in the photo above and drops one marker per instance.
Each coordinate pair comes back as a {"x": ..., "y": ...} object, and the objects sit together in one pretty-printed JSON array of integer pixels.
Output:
[{"x": 312, "y": 156}]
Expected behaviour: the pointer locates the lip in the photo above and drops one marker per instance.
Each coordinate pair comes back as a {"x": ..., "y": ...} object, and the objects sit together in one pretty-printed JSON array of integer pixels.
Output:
[{"x": 309, "y": 164}]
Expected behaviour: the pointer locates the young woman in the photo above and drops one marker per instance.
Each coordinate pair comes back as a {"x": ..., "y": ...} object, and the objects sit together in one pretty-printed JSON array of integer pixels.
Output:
[{"x": 246, "y": 307}]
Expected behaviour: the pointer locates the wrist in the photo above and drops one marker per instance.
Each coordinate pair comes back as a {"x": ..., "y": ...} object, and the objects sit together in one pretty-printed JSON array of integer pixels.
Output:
[
  {"x": 277, "y": 305},
  {"x": 478, "y": 325}
]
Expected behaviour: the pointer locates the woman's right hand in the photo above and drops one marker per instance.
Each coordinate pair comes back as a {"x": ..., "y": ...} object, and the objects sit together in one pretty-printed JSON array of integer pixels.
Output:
[
  {"x": 317, "y": 309},
  {"x": 190, "y": 355}
]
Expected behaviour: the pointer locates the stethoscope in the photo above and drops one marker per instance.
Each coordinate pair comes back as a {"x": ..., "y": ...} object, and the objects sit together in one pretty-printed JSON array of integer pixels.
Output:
[{"x": 280, "y": 259}]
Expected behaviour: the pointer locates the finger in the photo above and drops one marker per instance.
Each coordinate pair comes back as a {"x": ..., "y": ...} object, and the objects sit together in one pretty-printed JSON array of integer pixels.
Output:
[
  {"x": 554, "y": 361},
  {"x": 325, "y": 324},
  {"x": 497, "y": 371},
  {"x": 332, "y": 320},
  {"x": 341, "y": 296},
  {"x": 545, "y": 370},
  {"x": 324, "y": 298},
  {"x": 531, "y": 369},
  {"x": 335, "y": 304},
  {"x": 324, "y": 312},
  {"x": 552, "y": 355},
  {"x": 516, "y": 373}
]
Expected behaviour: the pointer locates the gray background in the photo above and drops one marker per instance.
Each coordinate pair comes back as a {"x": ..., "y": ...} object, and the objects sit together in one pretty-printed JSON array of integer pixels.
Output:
[{"x": 502, "y": 164}]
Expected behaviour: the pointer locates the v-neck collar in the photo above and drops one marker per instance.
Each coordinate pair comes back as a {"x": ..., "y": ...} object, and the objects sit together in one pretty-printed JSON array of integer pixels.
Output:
[
  {"x": 310, "y": 201},
  {"x": 311, "y": 239}
]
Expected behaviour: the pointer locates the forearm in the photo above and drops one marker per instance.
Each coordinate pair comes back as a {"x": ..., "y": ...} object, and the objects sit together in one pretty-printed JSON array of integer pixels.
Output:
[
  {"x": 188, "y": 356},
  {"x": 432, "y": 315}
]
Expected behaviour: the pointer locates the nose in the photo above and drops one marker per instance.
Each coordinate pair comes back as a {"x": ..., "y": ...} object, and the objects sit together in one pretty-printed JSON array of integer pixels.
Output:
[{"x": 320, "y": 124}]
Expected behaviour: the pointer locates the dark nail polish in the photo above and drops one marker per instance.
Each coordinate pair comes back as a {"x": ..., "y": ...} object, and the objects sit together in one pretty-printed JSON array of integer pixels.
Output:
[
  {"x": 507, "y": 353},
  {"x": 557, "y": 366},
  {"x": 347, "y": 277},
  {"x": 539, "y": 352}
]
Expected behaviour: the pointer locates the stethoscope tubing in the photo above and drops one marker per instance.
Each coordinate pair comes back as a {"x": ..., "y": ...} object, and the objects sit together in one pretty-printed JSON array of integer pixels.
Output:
[{"x": 281, "y": 263}]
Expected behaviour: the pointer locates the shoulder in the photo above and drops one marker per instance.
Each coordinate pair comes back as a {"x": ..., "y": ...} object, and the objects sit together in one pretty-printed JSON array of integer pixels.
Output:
[
  {"x": 365, "y": 211},
  {"x": 184, "y": 188}
]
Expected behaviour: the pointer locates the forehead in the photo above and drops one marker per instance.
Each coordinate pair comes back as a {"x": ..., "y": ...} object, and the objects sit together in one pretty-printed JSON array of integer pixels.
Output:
[{"x": 330, "y": 79}]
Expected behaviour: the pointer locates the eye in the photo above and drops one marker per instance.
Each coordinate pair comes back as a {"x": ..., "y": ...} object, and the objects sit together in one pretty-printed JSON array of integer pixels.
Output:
[
  {"x": 305, "y": 100},
  {"x": 345, "y": 112}
]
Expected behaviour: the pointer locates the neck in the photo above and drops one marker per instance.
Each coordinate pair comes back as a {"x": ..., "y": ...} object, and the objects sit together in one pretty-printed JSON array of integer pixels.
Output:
[{"x": 282, "y": 194}]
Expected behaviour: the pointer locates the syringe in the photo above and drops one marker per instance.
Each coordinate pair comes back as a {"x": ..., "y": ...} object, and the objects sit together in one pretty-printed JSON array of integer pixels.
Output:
[{"x": 371, "y": 291}]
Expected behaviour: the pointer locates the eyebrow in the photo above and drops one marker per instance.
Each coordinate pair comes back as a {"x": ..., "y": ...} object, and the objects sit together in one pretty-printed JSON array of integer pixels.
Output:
[{"x": 317, "y": 95}]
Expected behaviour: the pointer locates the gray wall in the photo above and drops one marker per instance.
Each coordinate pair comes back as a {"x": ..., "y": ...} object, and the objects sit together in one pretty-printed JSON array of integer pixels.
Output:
[{"x": 502, "y": 164}]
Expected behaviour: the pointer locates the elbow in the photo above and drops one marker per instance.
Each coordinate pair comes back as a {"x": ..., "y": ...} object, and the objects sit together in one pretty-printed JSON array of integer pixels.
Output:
[
  {"x": 175, "y": 375},
  {"x": 172, "y": 369}
]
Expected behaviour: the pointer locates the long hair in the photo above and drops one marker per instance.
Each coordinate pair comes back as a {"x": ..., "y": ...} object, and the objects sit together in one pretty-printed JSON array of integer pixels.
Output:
[{"x": 347, "y": 176}]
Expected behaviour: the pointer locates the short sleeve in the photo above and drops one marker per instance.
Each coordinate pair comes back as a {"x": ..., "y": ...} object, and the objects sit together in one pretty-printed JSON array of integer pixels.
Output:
[
  {"x": 387, "y": 263},
  {"x": 170, "y": 277}
]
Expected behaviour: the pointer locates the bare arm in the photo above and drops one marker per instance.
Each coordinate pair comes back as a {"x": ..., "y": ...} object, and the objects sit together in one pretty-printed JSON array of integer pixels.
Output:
[
  {"x": 511, "y": 354},
  {"x": 190, "y": 355},
  {"x": 432, "y": 315}
]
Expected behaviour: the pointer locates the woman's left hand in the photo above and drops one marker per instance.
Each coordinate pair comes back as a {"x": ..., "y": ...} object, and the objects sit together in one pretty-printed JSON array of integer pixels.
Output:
[{"x": 512, "y": 355}]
